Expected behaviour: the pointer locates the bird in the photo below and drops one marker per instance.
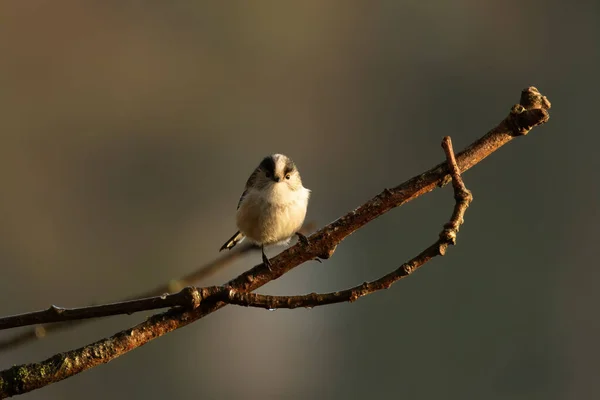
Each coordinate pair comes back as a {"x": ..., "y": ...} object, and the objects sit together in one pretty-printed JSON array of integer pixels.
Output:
[{"x": 272, "y": 207}]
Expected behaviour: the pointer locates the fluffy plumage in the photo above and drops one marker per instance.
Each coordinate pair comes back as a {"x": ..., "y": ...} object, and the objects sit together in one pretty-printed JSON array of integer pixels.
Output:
[{"x": 273, "y": 205}]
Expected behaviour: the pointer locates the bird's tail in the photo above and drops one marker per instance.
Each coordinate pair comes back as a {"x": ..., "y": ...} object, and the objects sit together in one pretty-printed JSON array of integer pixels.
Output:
[{"x": 235, "y": 239}]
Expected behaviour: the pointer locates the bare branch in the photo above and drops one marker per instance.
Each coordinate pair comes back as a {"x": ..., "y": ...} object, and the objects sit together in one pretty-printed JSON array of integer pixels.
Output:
[
  {"x": 58, "y": 321},
  {"x": 55, "y": 319},
  {"x": 191, "y": 297},
  {"x": 532, "y": 111},
  {"x": 56, "y": 314}
]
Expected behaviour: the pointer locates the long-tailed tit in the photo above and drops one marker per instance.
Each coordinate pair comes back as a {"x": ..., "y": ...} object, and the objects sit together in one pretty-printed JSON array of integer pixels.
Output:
[{"x": 273, "y": 205}]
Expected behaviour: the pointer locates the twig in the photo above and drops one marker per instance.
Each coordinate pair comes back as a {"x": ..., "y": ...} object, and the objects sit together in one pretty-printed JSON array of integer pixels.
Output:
[
  {"x": 532, "y": 111},
  {"x": 57, "y": 318},
  {"x": 41, "y": 331},
  {"x": 59, "y": 314}
]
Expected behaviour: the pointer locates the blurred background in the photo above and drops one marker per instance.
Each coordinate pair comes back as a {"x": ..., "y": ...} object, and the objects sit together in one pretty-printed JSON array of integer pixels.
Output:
[{"x": 128, "y": 130}]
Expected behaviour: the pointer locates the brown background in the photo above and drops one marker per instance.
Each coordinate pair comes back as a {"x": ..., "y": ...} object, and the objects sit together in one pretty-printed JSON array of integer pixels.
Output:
[{"x": 128, "y": 129}]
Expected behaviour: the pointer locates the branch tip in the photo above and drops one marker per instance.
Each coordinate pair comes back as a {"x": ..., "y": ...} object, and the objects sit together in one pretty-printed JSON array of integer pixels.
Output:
[
  {"x": 532, "y": 98},
  {"x": 531, "y": 111}
]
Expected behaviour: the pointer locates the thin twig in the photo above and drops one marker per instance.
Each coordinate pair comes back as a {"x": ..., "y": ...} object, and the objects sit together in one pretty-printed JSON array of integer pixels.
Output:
[
  {"x": 58, "y": 318},
  {"x": 532, "y": 111},
  {"x": 40, "y": 331},
  {"x": 60, "y": 314}
]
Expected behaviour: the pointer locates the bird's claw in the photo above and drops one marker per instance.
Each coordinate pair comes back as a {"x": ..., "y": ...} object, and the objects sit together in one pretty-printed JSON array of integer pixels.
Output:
[{"x": 266, "y": 262}]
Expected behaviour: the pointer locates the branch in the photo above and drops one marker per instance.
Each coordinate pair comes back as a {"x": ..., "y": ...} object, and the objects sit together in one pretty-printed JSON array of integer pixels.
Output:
[
  {"x": 59, "y": 314},
  {"x": 53, "y": 315},
  {"x": 55, "y": 319},
  {"x": 191, "y": 297},
  {"x": 532, "y": 111}
]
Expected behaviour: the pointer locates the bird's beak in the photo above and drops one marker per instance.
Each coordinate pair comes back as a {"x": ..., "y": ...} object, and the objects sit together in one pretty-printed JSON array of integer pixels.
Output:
[{"x": 276, "y": 178}]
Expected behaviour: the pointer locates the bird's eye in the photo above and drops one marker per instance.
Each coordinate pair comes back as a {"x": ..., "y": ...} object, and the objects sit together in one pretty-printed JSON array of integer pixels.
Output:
[{"x": 288, "y": 176}]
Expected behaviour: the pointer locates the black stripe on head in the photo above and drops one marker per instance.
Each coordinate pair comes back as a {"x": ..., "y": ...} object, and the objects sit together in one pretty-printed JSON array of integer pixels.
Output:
[
  {"x": 289, "y": 167},
  {"x": 268, "y": 165}
]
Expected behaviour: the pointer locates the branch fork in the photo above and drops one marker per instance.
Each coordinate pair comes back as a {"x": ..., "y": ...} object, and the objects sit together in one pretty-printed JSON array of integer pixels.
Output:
[{"x": 191, "y": 304}]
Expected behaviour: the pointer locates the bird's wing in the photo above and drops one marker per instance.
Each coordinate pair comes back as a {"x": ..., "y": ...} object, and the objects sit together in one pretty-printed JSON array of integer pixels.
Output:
[{"x": 249, "y": 184}]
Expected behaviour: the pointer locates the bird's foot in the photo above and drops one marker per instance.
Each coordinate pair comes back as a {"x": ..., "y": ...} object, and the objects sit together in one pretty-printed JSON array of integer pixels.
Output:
[{"x": 266, "y": 261}]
